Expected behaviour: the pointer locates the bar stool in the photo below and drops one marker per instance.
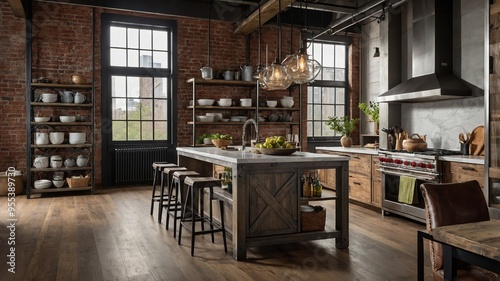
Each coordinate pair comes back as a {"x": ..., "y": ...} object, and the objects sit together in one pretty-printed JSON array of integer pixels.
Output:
[
  {"x": 198, "y": 184},
  {"x": 166, "y": 177},
  {"x": 158, "y": 167},
  {"x": 175, "y": 186}
]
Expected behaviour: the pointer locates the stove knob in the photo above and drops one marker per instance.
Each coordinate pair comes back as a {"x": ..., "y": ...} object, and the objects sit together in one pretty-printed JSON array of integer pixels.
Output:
[
  {"x": 406, "y": 163},
  {"x": 390, "y": 160},
  {"x": 381, "y": 159},
  {"x": 421, "y": 165},
  {"x": 413, "y": 164},
  {"x": 430, "y": 166}
]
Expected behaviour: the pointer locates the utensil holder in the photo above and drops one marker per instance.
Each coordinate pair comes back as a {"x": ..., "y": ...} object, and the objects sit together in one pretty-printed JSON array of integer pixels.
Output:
[{"x": 464, "y": 147}]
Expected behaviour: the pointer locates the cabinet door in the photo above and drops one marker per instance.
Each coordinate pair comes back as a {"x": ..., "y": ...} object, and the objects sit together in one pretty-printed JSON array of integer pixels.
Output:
[
  {"x": 376, "y": 183},
  {"x": 460, "y": 172}
]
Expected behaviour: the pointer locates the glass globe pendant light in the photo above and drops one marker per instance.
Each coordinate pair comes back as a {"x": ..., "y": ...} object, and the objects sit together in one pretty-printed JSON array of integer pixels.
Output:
[{"x": 275, "y": 77}]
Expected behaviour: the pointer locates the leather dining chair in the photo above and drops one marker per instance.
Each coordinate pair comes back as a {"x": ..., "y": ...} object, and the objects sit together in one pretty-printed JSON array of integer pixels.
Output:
[{"x": 449, "y": 204}]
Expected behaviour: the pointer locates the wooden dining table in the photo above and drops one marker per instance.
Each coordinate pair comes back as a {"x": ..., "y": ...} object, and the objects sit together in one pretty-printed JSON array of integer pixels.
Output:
[{"x": 475, "y": 243}]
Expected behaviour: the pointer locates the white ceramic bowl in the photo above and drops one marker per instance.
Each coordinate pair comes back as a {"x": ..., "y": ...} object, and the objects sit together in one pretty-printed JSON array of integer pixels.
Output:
[
  {"x": 77, "y": 138},
  {"x": 225, "y": 120},
  {"x": 224, "y": 102},
  {"x": 271, "y": 103},
  {"x": 286, "y": 103},
  {"x": 42, "y": 119},
  {"x": 288, "y": 97},
  {"x": 58, "y": 183},
  {"x": 49, "y": 97},
  {"x": 205, "y": 102},
  {"x": 56, "y": 137},
  {"x": 202, "y": 118},
  {"x": 67, "y": 118},
  {"x": 246, "y": 102},
  {"x": 42, "y": 184},
  {"x": 217, "y": 116}
]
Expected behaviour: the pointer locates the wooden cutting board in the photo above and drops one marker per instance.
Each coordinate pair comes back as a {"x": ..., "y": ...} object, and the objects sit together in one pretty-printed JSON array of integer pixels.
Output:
[{"x": 476, "y": 144}]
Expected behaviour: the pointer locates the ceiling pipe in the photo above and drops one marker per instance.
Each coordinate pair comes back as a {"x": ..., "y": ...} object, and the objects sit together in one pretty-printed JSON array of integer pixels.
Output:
[{"x": 366, "y": 10}]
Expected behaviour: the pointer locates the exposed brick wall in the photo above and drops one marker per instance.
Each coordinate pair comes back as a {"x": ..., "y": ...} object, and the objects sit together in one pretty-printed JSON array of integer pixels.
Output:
[
  {"x": 62, "y": 46},
  {"x": 354, "y": 83}
]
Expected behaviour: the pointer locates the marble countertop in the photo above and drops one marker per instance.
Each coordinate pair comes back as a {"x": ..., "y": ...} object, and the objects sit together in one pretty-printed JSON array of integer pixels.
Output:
[
  {"x": 470, "y": 159},
  {"x": 233, "y": 155}
]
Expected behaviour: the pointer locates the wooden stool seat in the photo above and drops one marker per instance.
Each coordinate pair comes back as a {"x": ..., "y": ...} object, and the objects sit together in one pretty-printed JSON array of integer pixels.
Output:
[
  {"x": 198, "y": 184},
  {"x": 158, "y": 167},
  {"x": 166, "y": 176},
  {"x": 174, "y": 203}
]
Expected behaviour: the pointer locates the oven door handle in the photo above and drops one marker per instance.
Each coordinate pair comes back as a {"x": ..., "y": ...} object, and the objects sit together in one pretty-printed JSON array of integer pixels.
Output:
[{"x": 430, "y": 178}]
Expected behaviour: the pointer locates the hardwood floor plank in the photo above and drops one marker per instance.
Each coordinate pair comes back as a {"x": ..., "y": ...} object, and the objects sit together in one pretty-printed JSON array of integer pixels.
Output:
[{"x": 111, "y": 236}]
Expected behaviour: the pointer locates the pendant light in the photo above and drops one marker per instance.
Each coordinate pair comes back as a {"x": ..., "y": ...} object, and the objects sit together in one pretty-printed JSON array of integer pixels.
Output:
[
  {"x": 275, "y": 76},
  {"x": 300, "y": 68}
]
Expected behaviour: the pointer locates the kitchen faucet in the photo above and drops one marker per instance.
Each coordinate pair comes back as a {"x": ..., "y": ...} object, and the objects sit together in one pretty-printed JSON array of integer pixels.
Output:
[{"x": 244, "y": 131}]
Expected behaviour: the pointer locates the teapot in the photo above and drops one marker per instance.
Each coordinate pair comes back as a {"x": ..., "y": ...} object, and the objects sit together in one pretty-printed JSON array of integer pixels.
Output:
[
  {"x": 415, "y": 142},
  {"x": 79, "y": 97},
  {"x": 66, "y": 96},
  {"x": 41, "y": 162},
  {"x": 69, "y": 162},
  {"x": 55, "y": 161},
  {"x": 246, "y": 72},
  {"x": 206, "y": 72},
  {"x": 82, "y": 161},
  {"x": 41, "y": 138}
]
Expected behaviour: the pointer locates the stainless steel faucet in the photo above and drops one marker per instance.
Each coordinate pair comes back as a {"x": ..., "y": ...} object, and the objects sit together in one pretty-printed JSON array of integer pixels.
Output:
[{"x": 244, "y": 131}]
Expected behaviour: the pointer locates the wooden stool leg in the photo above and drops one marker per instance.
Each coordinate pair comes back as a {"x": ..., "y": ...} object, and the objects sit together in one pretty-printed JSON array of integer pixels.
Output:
[
  {"x": 193, "y": 224},
  {"x": 162, "y": 191},
  {"x": 210, "y": 198},
  {"x": 154, "y": 190},
  {"x": 221, "y": 207},
  {"x": 183, "y": 212}
]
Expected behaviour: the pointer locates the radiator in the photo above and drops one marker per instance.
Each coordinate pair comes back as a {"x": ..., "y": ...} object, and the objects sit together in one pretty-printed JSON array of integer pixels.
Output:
[{"x": 134, "y": 164}]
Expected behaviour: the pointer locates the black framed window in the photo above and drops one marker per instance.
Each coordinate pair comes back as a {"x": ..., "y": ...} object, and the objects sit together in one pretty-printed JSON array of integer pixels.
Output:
[{"x": 328, "y": 94}]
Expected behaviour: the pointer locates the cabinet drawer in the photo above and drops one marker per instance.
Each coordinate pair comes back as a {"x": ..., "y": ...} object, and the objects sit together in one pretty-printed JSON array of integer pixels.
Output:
[
  {"x": 360, "y": 165},
  {"x": 360, "y": 188},
  {"x": 460, "y": 172}
]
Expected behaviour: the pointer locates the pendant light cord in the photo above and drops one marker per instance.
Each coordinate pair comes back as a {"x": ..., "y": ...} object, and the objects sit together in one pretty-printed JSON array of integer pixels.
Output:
[
  {"x": 279, "y": 30},
  {"x": 260, "y": 27},
  {"x": 208, "y": 32}
]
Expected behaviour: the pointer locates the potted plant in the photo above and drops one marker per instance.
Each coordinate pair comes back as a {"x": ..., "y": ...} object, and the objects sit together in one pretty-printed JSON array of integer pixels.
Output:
[
  {"x": 372, "y": 110},
  {"x": 343, "y": 125}
]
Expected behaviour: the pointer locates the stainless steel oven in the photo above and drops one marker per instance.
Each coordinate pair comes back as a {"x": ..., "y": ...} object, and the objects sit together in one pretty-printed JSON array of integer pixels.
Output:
[{"x": 423, "y": 166}]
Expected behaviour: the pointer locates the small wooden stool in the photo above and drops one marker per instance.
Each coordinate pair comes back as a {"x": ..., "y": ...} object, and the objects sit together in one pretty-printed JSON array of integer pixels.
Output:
[
  {"x": 176, "y": 184},
  {"x": 158, "y": 167},
  {"x": 166, "y": 177},
  {"x": 198, "y": 184}
]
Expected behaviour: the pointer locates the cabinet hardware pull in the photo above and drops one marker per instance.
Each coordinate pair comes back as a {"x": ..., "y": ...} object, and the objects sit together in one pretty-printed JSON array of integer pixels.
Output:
[
  {"x": 355, "y": 182},
  {"x": 468, "y": 169}
]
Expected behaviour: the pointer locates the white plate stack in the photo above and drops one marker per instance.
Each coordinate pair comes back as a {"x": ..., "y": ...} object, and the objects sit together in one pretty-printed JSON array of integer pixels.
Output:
[
  {"x": 43, "y": 184},
  {"x": 77, "y": 138}
]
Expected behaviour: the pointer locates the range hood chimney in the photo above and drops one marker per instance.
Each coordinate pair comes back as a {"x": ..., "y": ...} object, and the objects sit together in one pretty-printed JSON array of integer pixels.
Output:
[{"x": 432, "y": 57}]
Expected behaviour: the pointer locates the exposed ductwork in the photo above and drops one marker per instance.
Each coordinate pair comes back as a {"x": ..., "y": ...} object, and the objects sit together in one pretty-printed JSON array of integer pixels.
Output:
[{"x": 432, "y": 55}]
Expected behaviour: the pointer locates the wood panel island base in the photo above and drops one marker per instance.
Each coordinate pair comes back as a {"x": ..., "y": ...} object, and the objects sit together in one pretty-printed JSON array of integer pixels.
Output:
[{"x": 267, "y": 194}]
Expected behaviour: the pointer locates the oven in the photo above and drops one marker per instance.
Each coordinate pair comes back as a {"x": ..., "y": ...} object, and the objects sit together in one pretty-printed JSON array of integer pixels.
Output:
[{"x": 425, "y": 167}]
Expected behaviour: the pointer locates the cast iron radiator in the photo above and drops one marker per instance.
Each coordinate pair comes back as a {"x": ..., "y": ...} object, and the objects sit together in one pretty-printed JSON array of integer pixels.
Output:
[{"x": 134, "y": 164}]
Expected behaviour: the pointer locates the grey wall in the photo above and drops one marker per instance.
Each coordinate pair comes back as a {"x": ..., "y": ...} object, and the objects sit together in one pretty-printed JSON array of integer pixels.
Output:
[{"x": 441, "y": 121}]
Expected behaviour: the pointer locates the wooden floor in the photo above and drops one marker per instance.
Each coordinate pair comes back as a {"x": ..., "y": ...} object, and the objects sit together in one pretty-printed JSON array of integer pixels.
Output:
[{"x": 111, "y": 236}]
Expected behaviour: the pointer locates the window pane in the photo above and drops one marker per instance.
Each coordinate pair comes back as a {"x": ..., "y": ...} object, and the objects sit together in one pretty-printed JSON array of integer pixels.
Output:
[
  {"x": 328, "y": 73},
  {"x": 310, "y": 90},
  {"x": 339, "y": 110},
  {"x": 328, "y": 96},
  {"x": 160, "y": 40},
  {"x": 118, "y": 86},
  {"x": 317, "y": 129},
  {"x": 318, "y": 54},
  {"x": 133, "y": 86},
  {"x": 134, "y": 130},
  {"x": 133, "y": 38},
  {"x": 339, "y": 74},
  {"x": 317, "y": 112},
  {"x": 147, "y": 131},
  {"x": 327, "y": 111},
  {"x": 161, "y": 110},
  {"x": 309, "y": 112},
  {"x": 326, "y": 130},
  {"x": 161, "y": 130},
  {"x": 160, "y": 89},
  {"x": 133, "y": 58},
  {"x": 317, "y": 95},
  {"x": 147, "y": 109},
  {"x": 146, "y": 87},
  {"x": 119, "y": 130},
  {"x": 146, "y": 59},
  {"x": 328, "y": 55},
  {"x": 119, "y": 109},
  {"x": 133, "y": 109},
  {"x": 340, "y": 95},
  {"x": 309, "y": 128},
  {"x": 118, "y": 37},
  {"x": 340, "y": 56},
  {"x": 160, "y": 59},
  {"x": 118, "y": 57},
  {"x": 145, "y": 37}
]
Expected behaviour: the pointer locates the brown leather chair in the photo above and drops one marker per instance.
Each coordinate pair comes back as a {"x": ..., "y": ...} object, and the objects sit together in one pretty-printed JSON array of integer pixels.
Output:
[{"x": 454, "y": 203}]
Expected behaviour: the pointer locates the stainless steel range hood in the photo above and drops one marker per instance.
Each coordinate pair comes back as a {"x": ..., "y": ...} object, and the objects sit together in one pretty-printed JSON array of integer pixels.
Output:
[{"x": 432, "y": 55}]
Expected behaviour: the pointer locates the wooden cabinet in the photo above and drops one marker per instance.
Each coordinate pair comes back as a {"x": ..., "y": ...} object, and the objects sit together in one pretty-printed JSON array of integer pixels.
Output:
[
  {"x": 277, "y": 116},
  {"x": 365, "y": 182},
  {"x": 69, "y": 148},
  {"x": 459, "y": 172}
]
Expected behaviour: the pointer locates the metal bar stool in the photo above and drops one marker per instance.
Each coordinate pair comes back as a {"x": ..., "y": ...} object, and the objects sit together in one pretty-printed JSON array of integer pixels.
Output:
[
  {"x": 175, "y": 186},
  {"x": 166, "y": 177},
  {"x": 158, "y": 167},
  {"x": 199, "y": 184}
]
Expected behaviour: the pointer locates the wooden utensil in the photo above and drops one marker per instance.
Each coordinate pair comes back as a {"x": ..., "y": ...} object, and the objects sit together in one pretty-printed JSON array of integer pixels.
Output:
[
  {"x": 461, "y": 138},
  {"x": 477, "y": 141}
]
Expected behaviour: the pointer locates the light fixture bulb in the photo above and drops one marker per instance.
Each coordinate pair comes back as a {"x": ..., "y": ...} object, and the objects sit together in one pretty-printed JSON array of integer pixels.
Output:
[
  {"x": 300, "y": 68},
  {"x": 275, "y": 77}
]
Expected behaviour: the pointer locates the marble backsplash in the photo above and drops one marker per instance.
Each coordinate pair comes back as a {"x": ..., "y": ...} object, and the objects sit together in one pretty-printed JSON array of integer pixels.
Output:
[{"x": 442, "y": 121}]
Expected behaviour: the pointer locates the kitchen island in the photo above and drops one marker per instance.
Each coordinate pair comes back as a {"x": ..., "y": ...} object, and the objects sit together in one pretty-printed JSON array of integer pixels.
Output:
[{"x": 267, "y": 194}]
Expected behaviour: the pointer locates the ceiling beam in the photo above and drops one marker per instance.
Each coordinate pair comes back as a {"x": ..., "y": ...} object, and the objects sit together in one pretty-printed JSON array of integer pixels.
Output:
[
  {"x": 267, "y": 12},
  {"x": 17, "y": 8}
]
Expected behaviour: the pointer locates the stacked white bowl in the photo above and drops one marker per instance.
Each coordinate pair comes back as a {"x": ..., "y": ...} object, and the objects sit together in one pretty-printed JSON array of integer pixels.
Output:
[
  {"x": 206, "y": 102},
  {"x": 217, "y": 116},
  {"x": 225, "y": 102},
  {"x": 271, "y": 103},
  {"x": 56, "y": 137},
  {"x": 42, "y": 184},
  {"x": 77, "y": 138},
  {"x": 46, "y": 97},
  {"x": 246, "y": 102},
  {"x": 67, "y": 118}
]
